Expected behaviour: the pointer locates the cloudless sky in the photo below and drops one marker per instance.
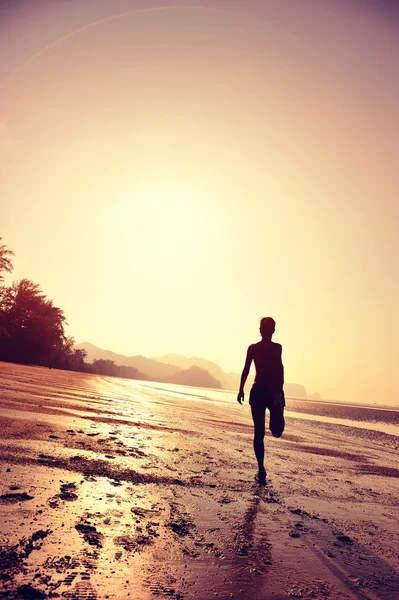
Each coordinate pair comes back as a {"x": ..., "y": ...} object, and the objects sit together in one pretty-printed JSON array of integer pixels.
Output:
[{"x": 172, "y": 172}]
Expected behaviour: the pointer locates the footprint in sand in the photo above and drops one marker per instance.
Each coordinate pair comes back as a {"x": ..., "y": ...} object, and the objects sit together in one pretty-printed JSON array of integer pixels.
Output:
[
  {"x": 134, "y": 543},
  {"x": 83, "y": 589},
  {"x": 90, "y": 534},
  {"x": 13, "y": 498},
  {"x": 68, "y": 492}
]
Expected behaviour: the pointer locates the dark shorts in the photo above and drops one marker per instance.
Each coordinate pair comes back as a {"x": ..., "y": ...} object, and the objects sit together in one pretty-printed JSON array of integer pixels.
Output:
[
  {"x": 260, "y": 399},
  {"x": 263, "y": 397}
]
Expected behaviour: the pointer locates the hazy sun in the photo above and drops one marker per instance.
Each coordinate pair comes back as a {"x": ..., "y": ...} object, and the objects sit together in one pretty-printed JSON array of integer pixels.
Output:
[
  {"x": 171, "y": 220},
  {"x": 164, "y": 225}
]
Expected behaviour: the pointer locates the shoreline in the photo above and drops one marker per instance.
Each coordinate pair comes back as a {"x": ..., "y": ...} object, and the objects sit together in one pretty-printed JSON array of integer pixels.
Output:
[{"x": 152, "y": 383}]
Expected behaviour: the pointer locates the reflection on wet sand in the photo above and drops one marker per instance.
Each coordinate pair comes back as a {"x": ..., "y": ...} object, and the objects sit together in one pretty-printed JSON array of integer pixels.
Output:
[
  {"x": 111, "y": 488},
  {"x": 372, "y": 426}
]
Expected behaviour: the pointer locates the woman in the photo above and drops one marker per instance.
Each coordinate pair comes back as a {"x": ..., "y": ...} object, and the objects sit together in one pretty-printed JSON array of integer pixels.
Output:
[{"x": 267, "y": 391}]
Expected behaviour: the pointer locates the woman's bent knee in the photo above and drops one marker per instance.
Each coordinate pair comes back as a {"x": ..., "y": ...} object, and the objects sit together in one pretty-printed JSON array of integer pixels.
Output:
[
  {"x": 278, "y": 433},
  {"x": 277, "y": 429}
]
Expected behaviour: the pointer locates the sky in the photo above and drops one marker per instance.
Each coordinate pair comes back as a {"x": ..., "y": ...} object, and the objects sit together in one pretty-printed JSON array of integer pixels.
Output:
[{"x": 171, "y": 172}]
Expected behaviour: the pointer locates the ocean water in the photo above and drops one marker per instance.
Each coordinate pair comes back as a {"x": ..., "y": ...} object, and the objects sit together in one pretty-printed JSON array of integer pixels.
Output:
[{"x": 382, "y": 419}]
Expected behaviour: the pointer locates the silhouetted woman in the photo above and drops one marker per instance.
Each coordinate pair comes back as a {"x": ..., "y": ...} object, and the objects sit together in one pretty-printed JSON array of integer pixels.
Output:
[{"x": 267, "y": 390}]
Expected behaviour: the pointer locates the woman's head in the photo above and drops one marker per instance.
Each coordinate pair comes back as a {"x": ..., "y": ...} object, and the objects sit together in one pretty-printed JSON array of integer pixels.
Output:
[{"x": 267, "y": 327}]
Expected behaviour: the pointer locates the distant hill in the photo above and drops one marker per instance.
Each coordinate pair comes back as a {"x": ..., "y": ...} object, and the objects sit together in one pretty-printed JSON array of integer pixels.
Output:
[
  {"x": 187, "y": 363},
  {"x": 145, "y": 365},
  {"x": 154, "y": 369},
  {"x": 194, "y": 376},
  {"x": 175, "y": 368},
  {"x": 296, "y": 390},
  {"x": 229, "y": 381}
]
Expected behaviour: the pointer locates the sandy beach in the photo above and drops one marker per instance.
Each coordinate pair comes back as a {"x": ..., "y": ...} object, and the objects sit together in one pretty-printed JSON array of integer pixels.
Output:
[{"x": 115, "y": 488}]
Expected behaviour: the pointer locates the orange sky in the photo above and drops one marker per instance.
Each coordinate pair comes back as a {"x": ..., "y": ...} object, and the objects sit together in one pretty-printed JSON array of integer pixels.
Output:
[{"x": 171, "y": 175}]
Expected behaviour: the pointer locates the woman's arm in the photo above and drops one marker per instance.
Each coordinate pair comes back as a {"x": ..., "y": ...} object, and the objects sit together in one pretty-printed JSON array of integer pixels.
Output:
[
  {"x": 244, "y": 375},
  {"x": 281, "y": 368}
]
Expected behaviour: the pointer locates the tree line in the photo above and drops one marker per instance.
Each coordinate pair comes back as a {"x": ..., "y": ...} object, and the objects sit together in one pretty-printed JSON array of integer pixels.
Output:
[{"x": 32, "y": 329}]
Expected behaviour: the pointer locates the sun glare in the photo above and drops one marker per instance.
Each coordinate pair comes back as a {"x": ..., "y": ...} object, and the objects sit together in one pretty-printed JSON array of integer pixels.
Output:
[
  {"x": 165, "y": 223},
  {"x": 171, "y": 217}
]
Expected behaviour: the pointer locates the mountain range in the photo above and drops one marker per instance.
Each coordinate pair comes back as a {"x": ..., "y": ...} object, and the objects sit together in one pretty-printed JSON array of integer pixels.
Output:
[{"x": 175, "y": 368}]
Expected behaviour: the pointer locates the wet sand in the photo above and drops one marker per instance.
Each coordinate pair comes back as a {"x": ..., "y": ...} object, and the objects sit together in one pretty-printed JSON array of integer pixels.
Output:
[{"x": 112, "y": 489}]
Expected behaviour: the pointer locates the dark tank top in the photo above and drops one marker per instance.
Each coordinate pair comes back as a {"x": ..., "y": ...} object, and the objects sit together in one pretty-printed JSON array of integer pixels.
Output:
[{"x": 268, "y": 365}]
